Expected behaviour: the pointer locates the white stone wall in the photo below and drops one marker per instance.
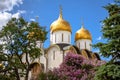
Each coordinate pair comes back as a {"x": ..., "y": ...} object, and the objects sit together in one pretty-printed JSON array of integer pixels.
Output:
[
  {"x": 84, "y": 44},
  {"x": 43, "y": 61},
  {"x": 51, "y": 38},
  {"x": 39, "y": 44},
  {"x": 60, "y": 37},
  {"x": 55, "y": 58}
]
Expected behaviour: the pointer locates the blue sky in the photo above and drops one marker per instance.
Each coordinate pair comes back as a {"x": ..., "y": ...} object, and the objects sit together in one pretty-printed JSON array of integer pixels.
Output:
[{"x": 74, "y": 11}]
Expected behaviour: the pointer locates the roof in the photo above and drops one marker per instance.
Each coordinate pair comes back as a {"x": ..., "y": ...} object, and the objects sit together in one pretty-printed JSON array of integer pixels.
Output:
[
  {"x": 61, "y": 46},
  {"x": 84, "y": 52}
]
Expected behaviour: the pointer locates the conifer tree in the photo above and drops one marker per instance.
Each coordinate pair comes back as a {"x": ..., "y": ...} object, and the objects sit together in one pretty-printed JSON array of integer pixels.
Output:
[{"x": 111, "y": 33}]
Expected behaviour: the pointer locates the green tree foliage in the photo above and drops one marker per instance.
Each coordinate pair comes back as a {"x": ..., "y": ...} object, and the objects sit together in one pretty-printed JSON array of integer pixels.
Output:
[
  {"x": 111, "y": 33},
  {"x": 18, "y": 38},
  {"x": 108, "y": 72}
]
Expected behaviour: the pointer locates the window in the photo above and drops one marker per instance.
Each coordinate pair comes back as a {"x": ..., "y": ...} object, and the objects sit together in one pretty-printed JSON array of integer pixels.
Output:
[
  {"x": 62, "y": 37},
  {"x": 53, "y": 55},
  {"x": 68, "y": 38},
  {"x": 79, "y": 45},
  {"x": 85, "y": 45}
]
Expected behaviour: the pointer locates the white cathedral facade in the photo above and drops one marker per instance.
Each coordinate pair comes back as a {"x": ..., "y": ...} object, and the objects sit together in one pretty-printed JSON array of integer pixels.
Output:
[{"x": 60, "y": 44}]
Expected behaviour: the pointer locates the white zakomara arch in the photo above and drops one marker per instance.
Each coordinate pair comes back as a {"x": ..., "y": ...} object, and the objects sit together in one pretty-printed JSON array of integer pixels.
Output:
[{"x": 54, "y": 57}]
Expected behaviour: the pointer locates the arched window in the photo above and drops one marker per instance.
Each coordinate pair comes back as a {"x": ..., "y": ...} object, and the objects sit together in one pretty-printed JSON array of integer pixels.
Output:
[
  {"x": 62, "y": 37},
  {"x": 53, "y": 55},
  {"x": 79, "y": 45},
  {"x": 85, "y": 45},
  {"x": 68, "y": 38}
]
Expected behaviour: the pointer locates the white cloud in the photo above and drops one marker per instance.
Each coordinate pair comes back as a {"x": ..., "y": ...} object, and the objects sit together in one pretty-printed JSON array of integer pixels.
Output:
[
  {"x": 32, "y": 19},
  {"x": 5, "y": 17},
  {"x": 17, "y": 15},
  {"x": 99, "y": 38},
  {"x": 21, "y": 11},
  {"x": 7, "y": 5}
]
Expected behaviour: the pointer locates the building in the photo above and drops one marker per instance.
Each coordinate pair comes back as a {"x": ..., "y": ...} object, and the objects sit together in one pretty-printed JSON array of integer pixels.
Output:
[{"x": 60, "y": 45}]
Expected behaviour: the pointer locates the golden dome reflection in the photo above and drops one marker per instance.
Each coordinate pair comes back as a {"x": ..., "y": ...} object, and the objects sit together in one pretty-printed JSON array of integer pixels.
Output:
[
  {"x": 82, "y": 34},
  {"x": 60, "y": 24}
]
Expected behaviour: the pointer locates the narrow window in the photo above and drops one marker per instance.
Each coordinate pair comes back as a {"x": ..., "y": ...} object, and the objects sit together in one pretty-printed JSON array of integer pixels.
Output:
[
  {"x": 85, "y": 45},
  {"x": 79, "y": 45},
  {"x": 62, "y": 37},
  {"x": 68, "y": 38},
  {"x": 53, "y": 55}
]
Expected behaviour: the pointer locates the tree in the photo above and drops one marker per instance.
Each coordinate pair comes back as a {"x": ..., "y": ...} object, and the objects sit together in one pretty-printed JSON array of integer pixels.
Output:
[
  {"x": 17, "y": 38},
  {"x": 108, "y": 72},
  {"x": 111, "y": 33}
]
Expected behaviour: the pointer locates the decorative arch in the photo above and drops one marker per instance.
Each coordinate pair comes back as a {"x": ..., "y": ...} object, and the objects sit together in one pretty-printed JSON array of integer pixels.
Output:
[
  {"x": 49, "y": 56},
  {"x": 50, "y": 48},
  {"x": 36, "y": 69},
  {"x": 73, "y": 49},
  {"x": 85, "y": 53},
  {"x": 95, "y": 56}
]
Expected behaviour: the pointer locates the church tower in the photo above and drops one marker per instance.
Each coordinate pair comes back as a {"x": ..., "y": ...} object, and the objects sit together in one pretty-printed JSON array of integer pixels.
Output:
[
  {"x": 60, "y": 37},
  {"x": 83, "y": 39},
  {"x": 60, "y": 31}
]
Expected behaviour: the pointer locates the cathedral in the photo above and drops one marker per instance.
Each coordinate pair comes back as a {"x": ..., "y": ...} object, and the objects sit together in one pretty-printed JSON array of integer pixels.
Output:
[{"x": 60, "y": 45}]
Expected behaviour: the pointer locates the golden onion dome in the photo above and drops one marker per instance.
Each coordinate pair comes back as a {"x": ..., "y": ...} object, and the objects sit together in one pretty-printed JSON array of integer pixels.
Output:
[
  {"x": 82, "y": 34},
  {"x": 60, "y": 24}
]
